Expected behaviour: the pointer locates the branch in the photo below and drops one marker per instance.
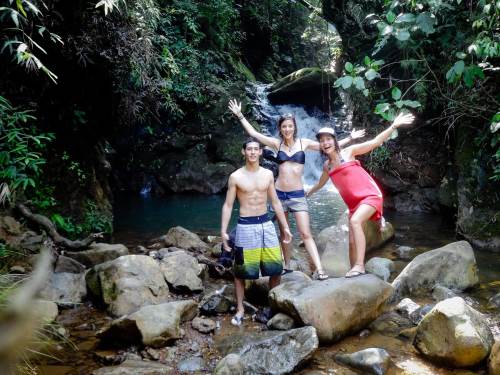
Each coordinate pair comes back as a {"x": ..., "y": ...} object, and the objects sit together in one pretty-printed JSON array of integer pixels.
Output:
[
  {"x": 311, "y": 7},
  {"x": 49, "y": 226}
]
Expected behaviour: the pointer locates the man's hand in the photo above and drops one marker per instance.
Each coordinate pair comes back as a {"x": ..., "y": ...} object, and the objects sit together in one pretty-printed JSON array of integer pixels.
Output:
[
  {"x": 287, "y": 235},
  {"x": 403, "y": 119},
  {"x": 235, "y": 108},
  {"x": 225, "y": 239},
  {"x": 357, "y": 133}
]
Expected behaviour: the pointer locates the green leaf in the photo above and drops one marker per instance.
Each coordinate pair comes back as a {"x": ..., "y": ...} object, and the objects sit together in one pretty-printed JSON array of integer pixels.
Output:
[
  {"x": 347, "y": 82},
  {"x": 359, "y": 83},
  {"x": 348, "y": 67},
  {"x": 390, "y": 17},
  {"x": 411, "y": 103},
  {"x": 425, "y": 22},
  {"x": 367, "y": 61},
  {"x": 387, "y": 30},
  {"x": 459, "y": 67},
  {"x": 371, "y": 74},
  {"x": 366, "y": 92},
  {"x": 405, "y": 17},
  {"x": 399, "y": 103},
  {"x": 461, "y": 55},
  {"x": 382, "y": 107},
  {"x": 396, "y": 93},
  {"x": 402, "y": 35}
]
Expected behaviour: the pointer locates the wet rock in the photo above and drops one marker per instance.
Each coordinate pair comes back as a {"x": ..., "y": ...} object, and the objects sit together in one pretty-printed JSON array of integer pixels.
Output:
[
  {"x": 216, "y": 250},
  {"x": 126, "y": 284},
  {"x": 154, "y": 325},
  {"x": 219, "y": 301},
  {"x": 333, "y": 244},
  {"x": 184, "y": 239},
  {"x": 494, "y": 302},
  {"x": 417, "y": 316},
  {"x": 494, "y": 359},
  {"x": 191, "y": 365},
  {"x": 229, "y": 365},
  {"x": 203, "y": 325},
  {"x": 260, "y": 287},
  {"x": 381, "y": 267},
  {"x": 454, "y": 334},
  {"x": 404, "y": 252},
  {"x": 440, "y": 293},
  {"x": 406, "y": 307},
  {"x": 68, "y": 265},
  {"x": 371, "y": 361},
  {"x": 182, "y": 271},
  {"x": 65, "y": 288},
  {"x": 281, "y": 322},
  {"x": 271, "y": 352},
  {"x": 390, "y": 324},
  {"x": 453, "y": 266},
  {"x": 135, "y": 367},
  {"x": 335, "y": 307},
  {"x": 45, "y": 311},
  {"x": 98, "y": 253}
]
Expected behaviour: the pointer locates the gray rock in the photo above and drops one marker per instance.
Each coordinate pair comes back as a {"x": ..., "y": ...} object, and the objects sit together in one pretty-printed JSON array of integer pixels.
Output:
[
  {"x": 454, "y": 334},
  {"x": 230, "y": 365},
  {"x": 45, "y": 311},
  {"x": 404, "y": 252},
  {"x": 494, "y": 359},
  {"x": 406, "y": 307},
  {"x": 68, "y": 265},
  {"x": 219, "y": 301},
  {"x": 128, "y": 283},
  {"x": 371, "y": 361},
  {"x": 441, "y": 293},
  {"x": 65, "y": 288},
  {"x": 135, "y": 367},
  {"x": 494, "y": 302},
  {"x": 335, "y": 307},
  {"x": 381, "y": 267},
  {"x": 260, "y": 287},
  {"x": 98, "y": 253},
  {"x": 190, "y": 365},
  {"x": 154, "y": 325},
  {"x": 216, "y": 250},
  {"x": 333, "y": 244},
  {"x": 417, "y": 316},
  {"x": 9, "y": 226},
  {"x": 391, "y": 324},
  {"x": 184, "y": 239},
  {"x": 271, "y": 352},
  {"x": 453, "y": 266},
  {"x": 182, "y": 271},
  {"x": 281, "y": 322},
  {"x": 203, "y": 325}
]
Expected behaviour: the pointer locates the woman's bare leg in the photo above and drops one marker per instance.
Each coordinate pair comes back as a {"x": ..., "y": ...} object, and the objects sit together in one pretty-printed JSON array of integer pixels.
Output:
[
  {"x": 358, "y": 218},
  {"x": 286, "y": 248},
  {"x": 304, "y": 228},
  {"x": 352, "y": 247}
]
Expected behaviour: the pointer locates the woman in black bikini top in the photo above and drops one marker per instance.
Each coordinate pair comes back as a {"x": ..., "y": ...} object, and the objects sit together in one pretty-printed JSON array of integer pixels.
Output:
[{"x": 291, "y": 159}]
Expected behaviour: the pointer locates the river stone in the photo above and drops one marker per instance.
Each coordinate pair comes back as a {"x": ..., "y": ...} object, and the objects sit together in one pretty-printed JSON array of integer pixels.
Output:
[
  {"x": 98, "y": 253},
  {"x": 229, "y": 365},
  {"x": 203, "y": 325},
  {"x": 371, "y": 361},
  {"x": 260, "y": 286},
  {"x": 381, "y": 267},
  {"x": 218, "y": 301},
  {"x": 45, "y": 311},
  {"x": 190, "y": 365},
  {"x": 440, "y": 293},
  {"x": 9, "y": 227},
  {"x": 153, "y": 325},
  {"x": 281, "y": 322},
  {"x": 333, "y": 243},
  {"x": 494, "y": 302},
  {"x": 494, "y": 359},
  {"x": 453, "y": 266},
  {"x": 135, "y": 367},
  {"x": 406, "y": 307},
  {"x": 271, "y": 352},
  {"x": 65, "y": 288},
  {"x": 69, "y": 265},
  {"x": 128, "y": 283},
  {"x": 184, "y": 239},
  {"x": 335, "y": 307},
  {"x": 404, "y": 252},
  {"x": 454, "y": 334},
  {"x": 391, "y": 324},
  {"x": 181, "y": 271}
]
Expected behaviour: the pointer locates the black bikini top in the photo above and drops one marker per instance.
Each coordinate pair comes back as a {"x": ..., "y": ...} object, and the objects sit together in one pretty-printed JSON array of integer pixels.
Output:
[{"x": 298, "y": 157}]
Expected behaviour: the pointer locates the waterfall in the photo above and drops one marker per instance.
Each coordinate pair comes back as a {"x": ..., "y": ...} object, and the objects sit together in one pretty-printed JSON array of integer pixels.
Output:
[{"x": 308, "y": 123}]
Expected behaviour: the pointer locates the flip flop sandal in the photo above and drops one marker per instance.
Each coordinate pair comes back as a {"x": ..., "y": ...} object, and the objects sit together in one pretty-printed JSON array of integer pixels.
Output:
[
  {"x": 286, "y": 270},
  {"x": 237, "y": 320},
  {"x": 354, "y": 274},
  {"x": 322, "y": 276}
]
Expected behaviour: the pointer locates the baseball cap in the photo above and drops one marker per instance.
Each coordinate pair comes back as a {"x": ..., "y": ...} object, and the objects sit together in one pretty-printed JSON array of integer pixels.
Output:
[{"x": 326, "y": 130}]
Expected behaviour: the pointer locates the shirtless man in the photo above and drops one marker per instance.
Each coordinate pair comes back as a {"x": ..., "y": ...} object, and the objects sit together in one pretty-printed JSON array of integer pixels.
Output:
[{"x": 256, "y": 245}]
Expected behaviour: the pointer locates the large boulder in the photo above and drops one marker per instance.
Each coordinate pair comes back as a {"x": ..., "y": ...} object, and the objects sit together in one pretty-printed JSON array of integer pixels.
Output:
[
  {"x": 454, "y": 334},
  {"x": 271, "y": 352},
  {"x": 65, "y": 288},
  {"x": 259, "y": 288},
  {"x": 69, "y": 265},
  {"x": 182, "y": 271},
  {"x": 494, "y": 359},
  {"x": 128, "y": 283},
  {"x": 135, "y": 367},
  {"x": 333, "y": 243},
  {"x": 452, "y": 266},
  {"x": 182, "y": 238},
  {"x": 335, "y": 307},
  {"x": 230, "y": 365},
  {"x": 98, "y": 253},
  {"x": 154, "y": 325}
]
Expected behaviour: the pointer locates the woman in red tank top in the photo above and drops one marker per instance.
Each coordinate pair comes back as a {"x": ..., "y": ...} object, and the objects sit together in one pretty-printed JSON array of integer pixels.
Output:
[{"x": 356, "y": 187}]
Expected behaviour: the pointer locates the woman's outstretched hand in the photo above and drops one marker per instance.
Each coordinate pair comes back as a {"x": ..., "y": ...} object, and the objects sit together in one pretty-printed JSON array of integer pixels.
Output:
[
  {"x": 235, "y": 107},
  {"x": 357, "y": 133},
  {"x": 403, "y": 119}
]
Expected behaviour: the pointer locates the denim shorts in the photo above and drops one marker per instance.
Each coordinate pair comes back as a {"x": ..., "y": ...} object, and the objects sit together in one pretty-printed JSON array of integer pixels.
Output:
[{"x": 293, "y": 201}]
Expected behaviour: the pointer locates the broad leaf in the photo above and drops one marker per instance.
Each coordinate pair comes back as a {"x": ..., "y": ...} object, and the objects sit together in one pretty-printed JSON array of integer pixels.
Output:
[
  {"x": 348, "y": 67},
  {"x": 405, "y": 17},
  {"x": 426, "y": 21},
  {"x": 387, "y": 30},
  {"x": 396, "y": 93},
  {"x": 402, "y": 35},
  {"x": 359, "y": 83},
  {"x": 390, "y": 17},
  {"x": 371, "y": 74}
]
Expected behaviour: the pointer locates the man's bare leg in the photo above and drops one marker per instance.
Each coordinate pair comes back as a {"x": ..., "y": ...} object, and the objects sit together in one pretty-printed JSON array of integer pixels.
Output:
[
  {"x": 274, "y": 281},
  {"x": 239, "y": 287}
]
